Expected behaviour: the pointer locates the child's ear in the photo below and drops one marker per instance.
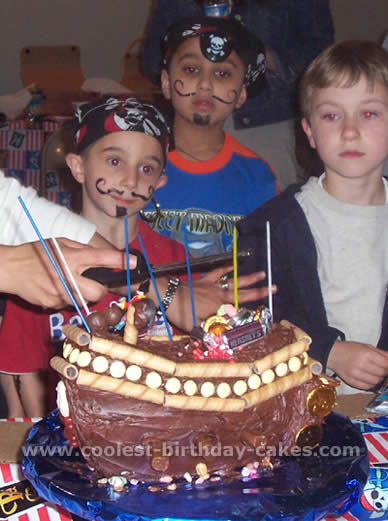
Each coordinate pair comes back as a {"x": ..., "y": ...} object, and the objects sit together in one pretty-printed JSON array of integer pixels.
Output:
[
  {"x": 165, "y": 83},
  {"x": 76, "y": 165},
  {"x": 161, "y": 181},
  {"x": 242, "y": 98},
  {"x": 309, "y": 133}
]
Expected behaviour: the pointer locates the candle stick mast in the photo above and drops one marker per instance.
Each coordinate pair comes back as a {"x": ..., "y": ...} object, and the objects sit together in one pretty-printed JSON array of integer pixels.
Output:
[{"x": 269, "y": 268}]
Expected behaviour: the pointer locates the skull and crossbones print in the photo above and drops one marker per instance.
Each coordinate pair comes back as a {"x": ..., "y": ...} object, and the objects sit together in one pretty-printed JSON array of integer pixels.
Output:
[{"x": 217, "y": 44}]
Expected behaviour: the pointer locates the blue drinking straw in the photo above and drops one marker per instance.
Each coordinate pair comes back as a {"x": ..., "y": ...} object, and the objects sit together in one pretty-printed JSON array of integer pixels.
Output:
[
  {"x": 127, "y": 258},
  {"x": 189, "y": 276},
  {"x": 155, "y": 287},
  {"x": 55, "y": 265}
]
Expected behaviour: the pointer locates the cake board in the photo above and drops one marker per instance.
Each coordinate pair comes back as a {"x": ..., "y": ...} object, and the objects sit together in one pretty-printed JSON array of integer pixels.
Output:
[{"x": 300, "y": 489}]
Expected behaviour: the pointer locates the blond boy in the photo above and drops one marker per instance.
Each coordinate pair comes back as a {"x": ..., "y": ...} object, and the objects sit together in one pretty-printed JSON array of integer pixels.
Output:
[{"x": 329, "y": 236}]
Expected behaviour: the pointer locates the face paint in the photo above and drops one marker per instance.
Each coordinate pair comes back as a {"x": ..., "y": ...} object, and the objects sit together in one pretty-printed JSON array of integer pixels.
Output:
[
  {"x": 218, "y": 38},
  {"x": 234, "y": 93},
  {"x": 120, "y": 211},
  {"x": 217, "y": 98},
  {"x": 200, "y": 120},
  {"x": 151, "y": 190},
  {"x": 182, "y": 94},
  {"x": 102, "y": 181}
]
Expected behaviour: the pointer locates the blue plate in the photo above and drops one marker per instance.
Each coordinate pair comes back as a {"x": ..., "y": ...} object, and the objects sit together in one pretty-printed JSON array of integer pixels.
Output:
[{"x": 299, "y": 489}]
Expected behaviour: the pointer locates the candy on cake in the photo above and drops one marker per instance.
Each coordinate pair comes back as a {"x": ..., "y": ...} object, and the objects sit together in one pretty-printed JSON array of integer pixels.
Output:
[{"x": 223, "y": 402}]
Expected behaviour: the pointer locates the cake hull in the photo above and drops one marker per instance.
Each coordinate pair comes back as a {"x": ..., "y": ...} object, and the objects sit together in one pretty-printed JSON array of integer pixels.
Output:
[
  {"x": 142, "y": 440},
  {"x": 154, "y": 412}
]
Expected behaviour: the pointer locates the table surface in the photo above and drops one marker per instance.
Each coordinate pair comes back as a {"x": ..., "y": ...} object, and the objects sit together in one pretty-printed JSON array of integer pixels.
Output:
[{"x": 353, "y": 405}]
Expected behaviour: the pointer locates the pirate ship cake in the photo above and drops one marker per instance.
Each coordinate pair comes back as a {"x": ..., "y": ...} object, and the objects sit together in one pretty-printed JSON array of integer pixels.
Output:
[{"x": 220, "y": 401}]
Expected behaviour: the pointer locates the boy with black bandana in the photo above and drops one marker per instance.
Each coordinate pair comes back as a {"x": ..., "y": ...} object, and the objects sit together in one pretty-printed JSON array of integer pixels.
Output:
[{"x": 210, "y": 66}]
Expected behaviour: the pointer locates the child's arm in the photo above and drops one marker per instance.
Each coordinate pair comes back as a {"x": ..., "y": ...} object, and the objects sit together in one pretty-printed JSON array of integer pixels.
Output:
[
  {"x": 52, "y": 220},
  {"x": 359, "y": 365}
]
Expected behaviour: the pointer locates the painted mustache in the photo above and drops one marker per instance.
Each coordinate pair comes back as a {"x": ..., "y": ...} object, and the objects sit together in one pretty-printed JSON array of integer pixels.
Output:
[
  {"x": 182, "y": 94},
  {"x": 109, "y": 191},
  {"x": 234, "y": 93},
  {"x": 120, "y": 210},
  {"x": 217, "y": 98},
  {"x": 151, "y": 191},
  {"x": 102, "y": 181}
]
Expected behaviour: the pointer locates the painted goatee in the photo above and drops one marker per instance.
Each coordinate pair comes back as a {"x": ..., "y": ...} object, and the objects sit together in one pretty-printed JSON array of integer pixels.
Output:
[
  {"x": 203, "y": 121},
  {"x": 121, "y": 211}
]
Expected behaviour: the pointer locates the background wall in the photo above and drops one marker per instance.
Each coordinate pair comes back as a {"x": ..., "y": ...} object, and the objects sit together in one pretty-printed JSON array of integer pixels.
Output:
[
  {"x": 104, "y": 28},
  {"x": 360, "y": 19}
]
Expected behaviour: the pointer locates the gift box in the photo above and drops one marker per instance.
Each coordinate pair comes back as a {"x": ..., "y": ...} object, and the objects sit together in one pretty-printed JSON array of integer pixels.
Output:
[{"x": 18, "y": 499}]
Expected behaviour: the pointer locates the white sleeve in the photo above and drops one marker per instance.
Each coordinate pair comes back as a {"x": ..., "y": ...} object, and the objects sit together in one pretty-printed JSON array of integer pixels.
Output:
[{"x": 51, "y": 219}]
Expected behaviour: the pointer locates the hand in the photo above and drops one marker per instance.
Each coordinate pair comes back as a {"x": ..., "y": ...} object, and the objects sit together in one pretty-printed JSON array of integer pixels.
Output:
[
  {"x": 269, "y": 59},
  {"x": 27, "y": 272},
  {"x": 359, "y": 365},
  {"x": 209, "y": 296}
]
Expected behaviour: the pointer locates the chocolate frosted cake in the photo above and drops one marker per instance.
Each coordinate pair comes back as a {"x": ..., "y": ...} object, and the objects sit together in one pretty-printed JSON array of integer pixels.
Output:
[{"x": 230, "y": 398}]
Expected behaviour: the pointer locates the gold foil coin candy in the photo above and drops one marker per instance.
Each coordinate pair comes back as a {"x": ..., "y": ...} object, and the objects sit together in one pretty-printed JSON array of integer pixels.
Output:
[
  {"x": 321, "y": 401},
  {"x": 309, "y": 436}
]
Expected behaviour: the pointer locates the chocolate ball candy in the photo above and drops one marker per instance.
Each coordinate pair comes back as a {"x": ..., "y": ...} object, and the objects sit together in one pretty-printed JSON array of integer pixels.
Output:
[
  {"x": 113, "y": 315},
  {"x": 97, "y": 323}
]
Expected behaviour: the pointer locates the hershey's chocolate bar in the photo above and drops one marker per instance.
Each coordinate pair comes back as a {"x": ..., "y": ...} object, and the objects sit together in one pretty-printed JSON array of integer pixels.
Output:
[{"x": 243, "y": 335}]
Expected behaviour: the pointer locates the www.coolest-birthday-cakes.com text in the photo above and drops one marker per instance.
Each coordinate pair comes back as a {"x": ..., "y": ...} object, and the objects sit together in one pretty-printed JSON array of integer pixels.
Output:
[{"x": 192, "y": 450}]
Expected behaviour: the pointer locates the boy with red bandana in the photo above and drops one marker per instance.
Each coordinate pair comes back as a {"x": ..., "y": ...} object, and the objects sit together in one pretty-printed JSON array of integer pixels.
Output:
[{"x": 119, "y": 161}]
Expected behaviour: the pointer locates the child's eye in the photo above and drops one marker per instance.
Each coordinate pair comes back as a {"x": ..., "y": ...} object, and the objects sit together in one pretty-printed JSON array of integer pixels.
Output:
[
  {"x": 114, "y": 161},
  {"x": 147, "y": 169},
  {"x": 330, "y": 116},
  {"x": 190, "y": 69},
  {"x": 368, "y": 114},
  {"x": 223, "y": 74}
]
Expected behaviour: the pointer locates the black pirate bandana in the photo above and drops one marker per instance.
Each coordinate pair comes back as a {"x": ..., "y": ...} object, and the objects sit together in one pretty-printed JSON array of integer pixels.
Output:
[
  {"x": 218, "y": 38},
  {"x": 93, "y": 121}
]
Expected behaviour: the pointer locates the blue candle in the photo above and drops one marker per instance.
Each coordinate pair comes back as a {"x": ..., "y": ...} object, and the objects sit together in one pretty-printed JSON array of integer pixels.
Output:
[
  {"x": 127, "y": 258},
  {"x": 55, "y": 265},
  {"x": 189, "y": 276},
  {"x": 155, "y": 286}
]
